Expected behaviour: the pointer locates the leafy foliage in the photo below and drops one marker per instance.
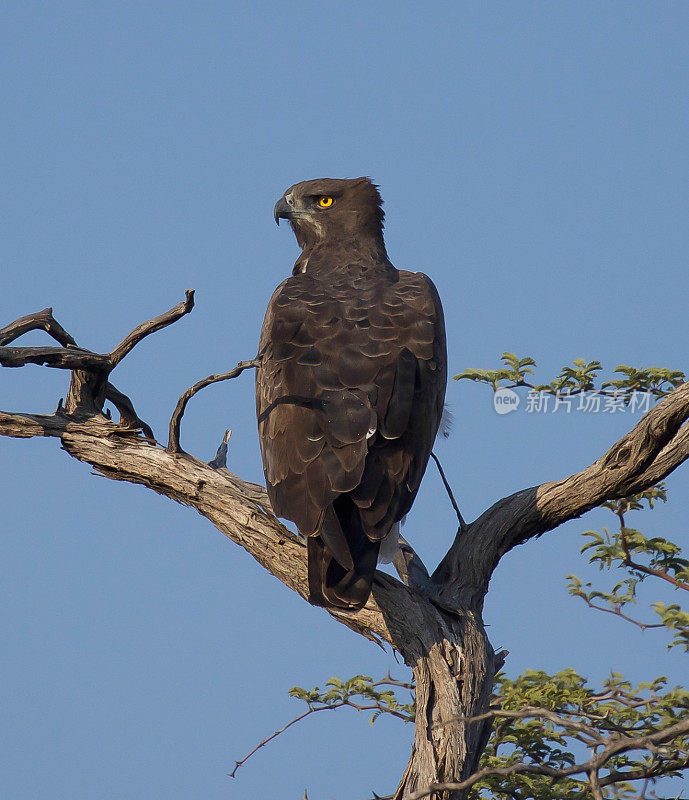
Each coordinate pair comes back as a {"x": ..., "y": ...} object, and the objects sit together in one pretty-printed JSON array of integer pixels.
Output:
[
  {"x": 657, "y": 380},
  {"x": 579, "y": 377},
  {"x": 361, "y": 693},
  {"x": 554, "y": 737},
  {"x": 595, "y": 719},
  {"x": 579, "y": 719},
  {"x": 514, "y": 371},
  {"x": 549, "y": 729},
  {"x": 641, "y": 558}
]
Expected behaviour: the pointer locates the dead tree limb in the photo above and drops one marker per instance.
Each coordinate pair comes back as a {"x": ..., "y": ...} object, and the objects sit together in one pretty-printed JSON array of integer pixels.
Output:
[
  {"x": 434, "y": 623},
  {"x": 173, "y": 444},
  {"x": 41, "y": 320}
]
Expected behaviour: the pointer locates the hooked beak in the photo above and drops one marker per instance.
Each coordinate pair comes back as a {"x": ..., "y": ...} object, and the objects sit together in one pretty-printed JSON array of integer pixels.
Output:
[{"x": 282, "y": 210}]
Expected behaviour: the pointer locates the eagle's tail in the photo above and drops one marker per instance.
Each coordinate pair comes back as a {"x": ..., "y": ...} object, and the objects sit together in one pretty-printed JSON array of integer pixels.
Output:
[{"x": 342, "y": 559}]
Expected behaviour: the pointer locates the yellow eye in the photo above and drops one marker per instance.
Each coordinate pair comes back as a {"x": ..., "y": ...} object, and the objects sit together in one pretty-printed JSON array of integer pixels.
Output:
[{"x": 325, "y": 201}]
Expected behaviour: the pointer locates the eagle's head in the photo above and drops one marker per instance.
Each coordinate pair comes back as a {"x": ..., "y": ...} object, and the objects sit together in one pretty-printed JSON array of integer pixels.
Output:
[{"x": 332, "y": 209}]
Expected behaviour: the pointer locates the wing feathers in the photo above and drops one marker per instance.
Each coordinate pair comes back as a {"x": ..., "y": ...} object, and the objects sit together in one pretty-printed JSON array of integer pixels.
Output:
[
  {"x": 349, "y": 397},
  {"x": 399, "y": 406}
]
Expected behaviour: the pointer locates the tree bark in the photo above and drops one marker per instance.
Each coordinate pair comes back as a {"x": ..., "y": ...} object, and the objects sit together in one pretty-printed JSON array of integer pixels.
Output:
[
  {"x": 435, "y": 623},
  {"x": 454, "y": 667}
]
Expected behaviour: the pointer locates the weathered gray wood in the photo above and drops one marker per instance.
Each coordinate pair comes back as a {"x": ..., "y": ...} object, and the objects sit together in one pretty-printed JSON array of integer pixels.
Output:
[
  {"x": 41, "y": 320},
  {"x": 435, "y": 623},
  {"x": 656, "y": 446}
]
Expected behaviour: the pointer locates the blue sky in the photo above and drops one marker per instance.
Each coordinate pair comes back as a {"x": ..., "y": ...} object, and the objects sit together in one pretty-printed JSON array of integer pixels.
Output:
[{"x": 533, "y": 161}]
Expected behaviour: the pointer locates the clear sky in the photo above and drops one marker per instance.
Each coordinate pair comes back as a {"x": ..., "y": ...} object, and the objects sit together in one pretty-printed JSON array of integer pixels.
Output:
[{"x": 533, "y": 161}]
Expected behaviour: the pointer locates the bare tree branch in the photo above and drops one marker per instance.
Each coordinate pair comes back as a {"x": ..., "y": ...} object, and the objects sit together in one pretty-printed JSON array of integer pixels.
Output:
[
  {"x": 239, "y": 509},
  {"x": 56, "y": 357},
  {"x": 41, "y": 320},
  {"x": 151, "y": 326},
  {"x": 44, "y": 320},
  {"x": 674, "y": 453},
  {"x": 70, "y": 356},
  {"x": 176, "y": 420},
  {"x": 268, "y": 739},
  {"x": 452, "y": 659},
  {"x": 374, "y": 705},
  {"x": 648, "y": 453},
  {"x": 90, "y": 386},
  {"x": 128, "y": 416}
]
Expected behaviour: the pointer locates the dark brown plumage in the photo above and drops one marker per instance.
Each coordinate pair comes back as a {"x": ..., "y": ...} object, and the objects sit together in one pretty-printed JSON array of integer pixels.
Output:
[{"x": 351, "y": 386}]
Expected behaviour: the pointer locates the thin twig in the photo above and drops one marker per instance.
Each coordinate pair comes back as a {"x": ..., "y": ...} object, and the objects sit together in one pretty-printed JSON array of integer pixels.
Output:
[
  {"x": 270, "y": 738},
  {"x": 615, "y": 611},
  {"x": 173, "y": 445},
  {"x": 376, "y": 705},
  {"x": 388, "y": 680},
  {"x": 629, "y": 562},
  {"x": 314, "y": 710},
  {"x": 448, "y": 489}
]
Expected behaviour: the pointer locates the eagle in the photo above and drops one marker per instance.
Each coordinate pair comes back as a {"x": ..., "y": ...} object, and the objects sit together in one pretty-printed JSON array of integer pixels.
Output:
[{"x": 350, "y": 387}]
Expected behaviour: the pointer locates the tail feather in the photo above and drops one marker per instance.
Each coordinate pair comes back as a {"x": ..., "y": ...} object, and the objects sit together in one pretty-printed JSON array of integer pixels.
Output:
[
  {"x": 335, "y": 539},
  {"x": 342, "y": 559}
]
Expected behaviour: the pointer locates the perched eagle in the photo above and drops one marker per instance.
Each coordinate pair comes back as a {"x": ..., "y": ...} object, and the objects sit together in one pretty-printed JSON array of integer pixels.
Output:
[{"x": 351, "y": 386}]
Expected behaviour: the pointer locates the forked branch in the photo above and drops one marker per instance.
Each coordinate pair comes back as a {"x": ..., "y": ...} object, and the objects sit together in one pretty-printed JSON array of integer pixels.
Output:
[
  {"x": 448, "y": 650},
  {"x": 90, "y": 386},
  {"x": 239, "y": 509},
  {"x": 656, "y": 446}
]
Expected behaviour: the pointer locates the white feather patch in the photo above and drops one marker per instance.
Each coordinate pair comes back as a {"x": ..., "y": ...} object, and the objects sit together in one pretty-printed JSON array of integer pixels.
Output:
[
  {"x": 389, "y": 545},
  {"x": 446, "y": 422}
]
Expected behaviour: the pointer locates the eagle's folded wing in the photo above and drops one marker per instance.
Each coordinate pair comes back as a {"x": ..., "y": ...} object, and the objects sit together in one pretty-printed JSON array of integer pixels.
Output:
[{"x": 349, "y": 395}]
